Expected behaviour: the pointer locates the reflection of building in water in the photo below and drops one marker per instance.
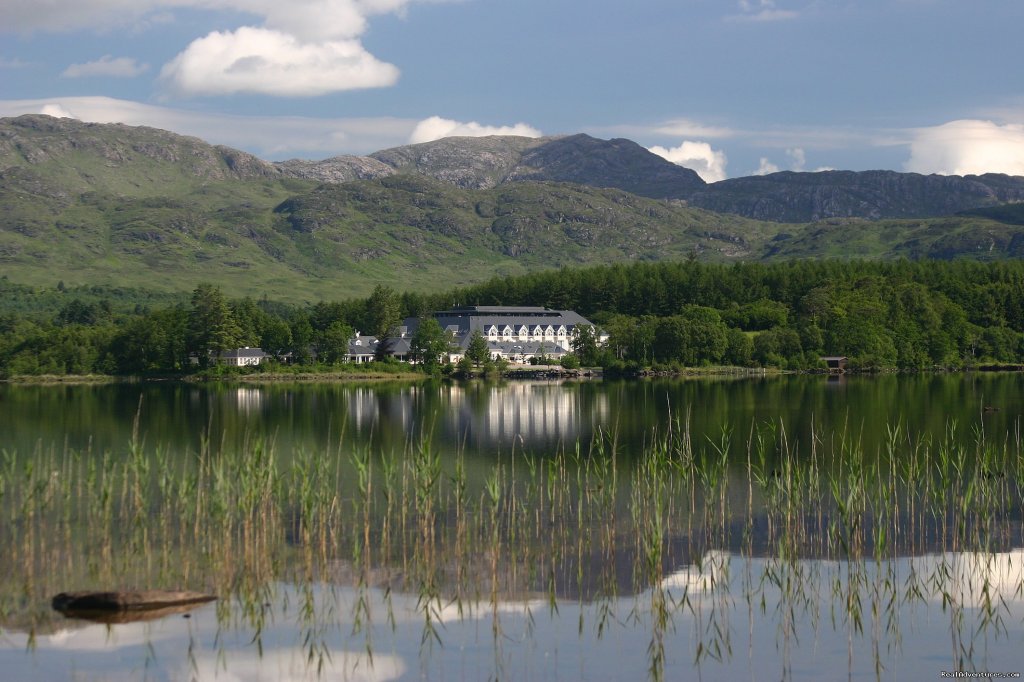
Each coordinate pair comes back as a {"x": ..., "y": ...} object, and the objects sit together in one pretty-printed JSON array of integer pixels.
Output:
[
  {"x": 362, "y": 407},
  {"x": 369, "y": 409},
  {"x": 530, "y": 412},
  {"x": 248, "y": 399}
]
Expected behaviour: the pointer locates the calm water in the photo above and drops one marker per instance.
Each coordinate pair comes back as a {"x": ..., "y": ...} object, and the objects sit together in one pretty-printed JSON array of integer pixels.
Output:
[
  {"x": 739, "y": 586},
  {"x": 486, "y": 420}
]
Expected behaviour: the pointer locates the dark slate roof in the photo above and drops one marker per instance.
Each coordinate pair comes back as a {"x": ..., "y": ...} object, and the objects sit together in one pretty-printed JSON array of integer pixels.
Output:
[
  {"x": 367, "y": 345},
  {"x": 472, "y": 318},
  {"x": 400, "y": 346}
]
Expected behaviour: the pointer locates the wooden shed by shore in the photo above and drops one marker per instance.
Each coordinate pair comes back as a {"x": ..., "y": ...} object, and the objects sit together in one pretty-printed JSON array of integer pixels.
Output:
[{"x": 836, "y": 363}]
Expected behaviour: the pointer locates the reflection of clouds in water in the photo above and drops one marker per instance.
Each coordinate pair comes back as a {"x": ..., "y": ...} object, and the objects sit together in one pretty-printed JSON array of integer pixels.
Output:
[
  {"x": 91, "y": 637},
  {"x": 704, "y": 576},
  {"x": 455, "y": 613},
  {"x": 561, "y": 638},
  {"x": 972, "y": 579},
  {"x": 292, "y": 665}
]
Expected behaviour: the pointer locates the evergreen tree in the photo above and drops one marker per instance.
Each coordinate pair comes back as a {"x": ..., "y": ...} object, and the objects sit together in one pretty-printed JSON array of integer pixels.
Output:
[
  {"x": 477, "y": 351},
  {"x": 211, "y": 326},
  {"x": 383, "y": 311}
]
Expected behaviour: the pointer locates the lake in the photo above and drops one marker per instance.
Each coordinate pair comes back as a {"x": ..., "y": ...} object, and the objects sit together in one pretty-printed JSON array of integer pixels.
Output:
[{"x": 787, "y": 527}]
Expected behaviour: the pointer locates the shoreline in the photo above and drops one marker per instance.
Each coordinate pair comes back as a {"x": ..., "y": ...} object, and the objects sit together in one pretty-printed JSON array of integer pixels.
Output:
[{"x": 529, "y": 372}]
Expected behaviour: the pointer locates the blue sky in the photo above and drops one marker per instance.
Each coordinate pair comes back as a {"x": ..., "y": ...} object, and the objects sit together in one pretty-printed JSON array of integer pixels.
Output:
[{"x": 727, "y": 87}]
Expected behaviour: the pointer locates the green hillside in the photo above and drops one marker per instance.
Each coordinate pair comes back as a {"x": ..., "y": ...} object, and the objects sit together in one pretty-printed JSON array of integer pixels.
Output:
[{"x": 113, "y": 205}]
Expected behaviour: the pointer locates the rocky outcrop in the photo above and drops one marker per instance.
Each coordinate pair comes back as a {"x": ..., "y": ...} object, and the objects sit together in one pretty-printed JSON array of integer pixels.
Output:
[
  {"x": 466, "y": 162},
  {"x": 336, "y": 170},
  {"x": 487, "y": 162},
  {"x": 113, "y": 152},
  {"x": 806, "y": 197},
  {"x": 620, "y": 164}
]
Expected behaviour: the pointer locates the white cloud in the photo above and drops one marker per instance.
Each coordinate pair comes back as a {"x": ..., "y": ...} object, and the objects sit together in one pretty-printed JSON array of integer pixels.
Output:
[
  {"x": 293, "y": 665},
  {"x": 762, "y": 10},
  {"x": 298, "y": 48},
  {"x": 968, "y": 147},
  {"x": 699, "y": 156},
  {"x": 435, "y": 127},
  {"x": 273, "y": 63},
  {"x": 270, "y": 137},
  {"x": 56, "y": 110},
  {"x": 797, "y": 157},
  {"x": 117, "y": 67},
  {"x": 683, "y": 127},
  {"x": 766, "y": 167}
]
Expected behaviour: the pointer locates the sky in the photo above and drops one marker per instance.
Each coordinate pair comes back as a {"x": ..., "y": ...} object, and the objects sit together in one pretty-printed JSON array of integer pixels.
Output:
[{"x": 727, "y": 87}]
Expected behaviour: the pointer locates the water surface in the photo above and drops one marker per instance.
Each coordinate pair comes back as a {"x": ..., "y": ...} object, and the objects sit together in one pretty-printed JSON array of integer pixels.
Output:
[{"x": 800, "y": 527}]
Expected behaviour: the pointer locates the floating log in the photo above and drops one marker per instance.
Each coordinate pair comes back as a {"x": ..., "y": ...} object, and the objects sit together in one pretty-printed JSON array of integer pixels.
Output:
[{"x": 127, "y": 606}]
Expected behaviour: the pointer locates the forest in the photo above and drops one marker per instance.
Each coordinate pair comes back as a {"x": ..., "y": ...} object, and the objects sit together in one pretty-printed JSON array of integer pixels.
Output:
[{"x": 667, "y": 315}]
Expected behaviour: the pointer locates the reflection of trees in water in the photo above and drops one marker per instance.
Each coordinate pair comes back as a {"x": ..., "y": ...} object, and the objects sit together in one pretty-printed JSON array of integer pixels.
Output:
[{"x": 488, "y": 416}]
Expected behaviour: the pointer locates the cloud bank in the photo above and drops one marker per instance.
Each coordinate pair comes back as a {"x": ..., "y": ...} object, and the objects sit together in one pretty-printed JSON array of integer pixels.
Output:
[
  {"x": 269, "y": 137},
  {"x": 435, "y": 127},
  {"x": 684, "y": 127},
  {"x": 116, "y": 67},
  {"x": 968, "y": 147},
  {"x": 708, "y": 163}
]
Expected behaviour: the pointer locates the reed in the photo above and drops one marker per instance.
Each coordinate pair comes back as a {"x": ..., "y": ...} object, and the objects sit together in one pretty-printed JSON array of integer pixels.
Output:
[{"x": 825, "y": 516}]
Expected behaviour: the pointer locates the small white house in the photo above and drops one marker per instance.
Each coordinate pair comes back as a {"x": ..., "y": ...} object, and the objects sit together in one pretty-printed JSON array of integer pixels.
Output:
[{"x": 242, "y": 357}]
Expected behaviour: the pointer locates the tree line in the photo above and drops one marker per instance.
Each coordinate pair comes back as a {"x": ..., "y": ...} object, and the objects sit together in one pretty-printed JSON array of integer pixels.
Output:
[
  {"x": 881, "y": 314},
  {"x": 896, "y": 314}
]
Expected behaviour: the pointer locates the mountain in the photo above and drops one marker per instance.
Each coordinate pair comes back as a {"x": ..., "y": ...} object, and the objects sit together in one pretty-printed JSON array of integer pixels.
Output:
[
  {"x": 486, "y": 162},
  {"x": 113, "y": 204},
  {"x": 88, "y": 203},
  {"x": 786, "y": 197},
  {"x": 789, "y": 197},
  {"x": 79, "y": 156}
]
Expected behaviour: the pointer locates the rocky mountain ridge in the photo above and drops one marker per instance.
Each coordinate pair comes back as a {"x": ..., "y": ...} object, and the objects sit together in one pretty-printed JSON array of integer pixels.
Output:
[
  {"x": 29, "y": 142},
  {"x": 127, "y": 206}
]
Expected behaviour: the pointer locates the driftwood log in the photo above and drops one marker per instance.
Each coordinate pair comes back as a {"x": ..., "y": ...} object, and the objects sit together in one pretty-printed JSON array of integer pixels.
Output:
[{"x": 128, "y": 606}]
